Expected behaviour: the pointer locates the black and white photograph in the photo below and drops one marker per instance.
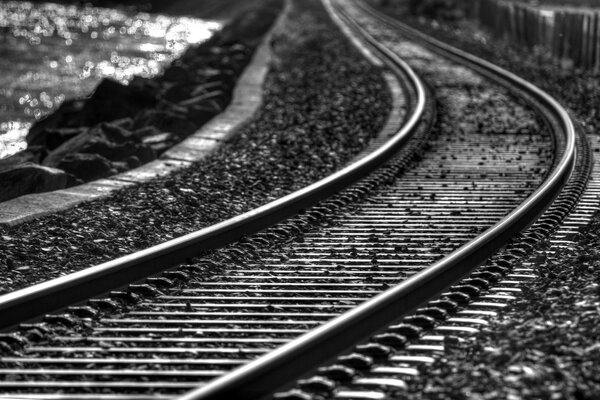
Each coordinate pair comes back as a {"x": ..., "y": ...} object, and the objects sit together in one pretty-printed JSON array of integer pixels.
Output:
[{"x": 299, "y": 200}]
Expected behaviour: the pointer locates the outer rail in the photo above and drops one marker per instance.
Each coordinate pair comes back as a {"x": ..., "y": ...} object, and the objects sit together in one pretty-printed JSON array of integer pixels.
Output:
[
  {"x": 276, "y": 369},
  {"x": 37, "y": 300}
]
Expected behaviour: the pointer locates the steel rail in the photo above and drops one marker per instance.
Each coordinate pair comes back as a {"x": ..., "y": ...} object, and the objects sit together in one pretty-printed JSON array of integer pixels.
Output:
[
  {"x": 273, "y": 371},
  {"x": 28, "y": 303}
]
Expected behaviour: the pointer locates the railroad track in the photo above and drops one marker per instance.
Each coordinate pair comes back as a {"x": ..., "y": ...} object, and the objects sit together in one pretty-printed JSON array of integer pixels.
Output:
[{"x": 342, "y": 270}]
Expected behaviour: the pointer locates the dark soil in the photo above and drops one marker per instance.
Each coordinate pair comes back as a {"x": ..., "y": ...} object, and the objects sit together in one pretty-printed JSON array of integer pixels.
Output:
[
  {"x": 323, "y": 102},
  {"x": 546, "y": 346}
]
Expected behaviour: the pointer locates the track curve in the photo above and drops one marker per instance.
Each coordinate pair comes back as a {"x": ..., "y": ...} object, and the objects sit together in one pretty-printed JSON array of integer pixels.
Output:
[
  {"x": 267, "y": 298},
  {"x": 269, "y": 373}
]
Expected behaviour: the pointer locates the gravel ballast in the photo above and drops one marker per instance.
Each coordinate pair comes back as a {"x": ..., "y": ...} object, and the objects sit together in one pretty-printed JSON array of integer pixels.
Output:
[
  {"x": 546, "y": 344},
  {"x": 322, "y": 104}
]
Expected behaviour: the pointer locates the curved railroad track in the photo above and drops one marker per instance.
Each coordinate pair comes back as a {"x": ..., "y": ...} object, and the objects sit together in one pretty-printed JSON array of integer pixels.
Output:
[{"x": 395, "y": 230}]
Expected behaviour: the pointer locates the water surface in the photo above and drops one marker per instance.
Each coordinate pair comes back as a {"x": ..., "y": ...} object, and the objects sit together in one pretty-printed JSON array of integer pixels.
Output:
[{"x": 50, "y": 52}]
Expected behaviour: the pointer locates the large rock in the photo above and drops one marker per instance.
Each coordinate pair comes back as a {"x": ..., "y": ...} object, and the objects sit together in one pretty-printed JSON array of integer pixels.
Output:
[
  {"x": 198, "y": 113},
  {"x": 28, "y": 177},
  {"x": 107, "y": 140},
  {"x": 227, "y": 57},
  {"x": 112, "y": 100},
  {"x": 125, "y": 123},
  {"x": 67, "y": 115},
  {"x": 31, "y": 154},
  {"x": 177, "y": 73},
  {"x": 57, "y": 136},
  {"x": 118, "y": 151},
  {"x": 208, "y": 75},
  {"x": 216, "y": 97},
  {"x": 145, "y": 132},
  {"x": 201, "y": 114},
  {"x": 177, "y": 92},
  {"x": 157, "y": 140},
  {"x": 87, "y": 167},
  {"x": 161, "y": 141},
  {"x": 168, "y": 107},
  {"x": 117, "y": 133},
  {"x": 165, "y": 121}
]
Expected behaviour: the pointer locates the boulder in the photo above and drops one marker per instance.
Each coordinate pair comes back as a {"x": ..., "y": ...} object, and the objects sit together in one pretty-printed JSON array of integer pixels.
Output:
[
  {"x": 57, "y": 136},
  {"x": 174, "y": 108},
  {"x": 161, "y": 141},
  {"x": 31, "y": 154},
  {"x": 197, "y": 110},
  {"x": 144, "y": 153},
  {"x": 116, "y": 133},
  {"x": 144, "y": 132},
  {"x": 239, "y": 48},
  {"x": 235, "y": 62},
  {"x": 67, "y": 115},
  {"x": 164, "y": 121},
  {"x": 133, "y": 162},
  {"x": 28, "y": 178},
  {"x": 216, "y": 96},
  {"x": 201, "y": 114},
  {"x": 70, "y": 146},
  {"x": 208, "y": 87},
  {"x": 208, "y": 75},
  {"x": 125, "y": 123},
  {"x": 177, "y": 92},
  {"x": 144, "y": 86},
  {"x": 227, "y": 60},
  {"x": 177, "y": 73},
  {"x": 112, "y": 100},
  {"x": 110, "y": 150},
  {"x": 120, "y": 166},
  {"x": 108, "y": 140},
  {"x": 87, "y": 167}
]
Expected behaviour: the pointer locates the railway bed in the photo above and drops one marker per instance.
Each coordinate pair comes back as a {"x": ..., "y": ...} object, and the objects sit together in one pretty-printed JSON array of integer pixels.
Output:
[{"x": 422, "y": 211}]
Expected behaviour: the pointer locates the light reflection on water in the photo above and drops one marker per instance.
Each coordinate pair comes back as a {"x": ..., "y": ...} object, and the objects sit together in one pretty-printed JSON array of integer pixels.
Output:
[{"x": 49, "y": 52}]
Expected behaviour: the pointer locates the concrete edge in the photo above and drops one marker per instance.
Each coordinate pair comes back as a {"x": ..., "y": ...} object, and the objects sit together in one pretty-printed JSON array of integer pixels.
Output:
[{"x": 246, "y": 100}]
